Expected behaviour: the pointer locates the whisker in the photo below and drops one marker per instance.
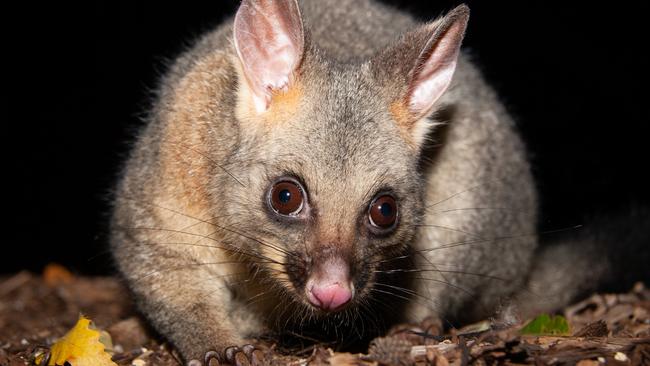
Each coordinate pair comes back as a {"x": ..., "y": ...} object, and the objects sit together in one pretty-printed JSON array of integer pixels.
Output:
[
  {"x": 495, "y": 239},
  {"x": 199, "y": 222},
  {"x": 435, "y": 267},
  {"x": 419, "y": 270},
  {"x": 459, "y": 193},
  {"x": 376, "y": 184},
  {"x": 256, "y": 298},
  {"x": 229, "y": 248},
  {"x": 392, "y": 259},
  {"x": 390, "y": 293},
  {"x": 211, "y": 160},
  {"x": 183, "y": 267},
  {"x": 448, "y": 228},
  {"x": 275, "y": 247},
  {"x": 446, "y": 283},
  {"x": 509, "y": 209},
  {"x": 427, "y": 300}
]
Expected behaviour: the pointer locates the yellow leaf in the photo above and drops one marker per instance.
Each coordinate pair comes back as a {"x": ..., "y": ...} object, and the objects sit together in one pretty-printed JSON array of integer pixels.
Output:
[{"x": 80, "y": 347}]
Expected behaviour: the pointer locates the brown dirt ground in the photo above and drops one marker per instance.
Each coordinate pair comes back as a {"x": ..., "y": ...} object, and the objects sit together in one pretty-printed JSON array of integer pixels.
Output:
[{"x": 609, "y": 329}]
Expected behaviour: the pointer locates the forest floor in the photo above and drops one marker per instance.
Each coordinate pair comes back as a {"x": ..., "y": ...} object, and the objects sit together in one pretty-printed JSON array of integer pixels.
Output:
[{"x": 605, "y": 329}]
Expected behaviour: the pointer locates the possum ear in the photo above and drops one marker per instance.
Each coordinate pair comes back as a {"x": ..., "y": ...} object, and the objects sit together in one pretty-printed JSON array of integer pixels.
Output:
[
  {"x": 437, "y": 61},
  {"x": 269, "y": 39},
  {"x": 423, "y": 62}
]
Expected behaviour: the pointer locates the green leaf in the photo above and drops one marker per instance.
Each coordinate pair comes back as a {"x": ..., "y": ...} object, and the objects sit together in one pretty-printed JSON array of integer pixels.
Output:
[{"x": 547, "y": 325}]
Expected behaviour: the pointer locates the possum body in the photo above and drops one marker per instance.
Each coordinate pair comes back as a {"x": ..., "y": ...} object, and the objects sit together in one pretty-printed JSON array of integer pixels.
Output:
[{"x": 327, "y": 163}]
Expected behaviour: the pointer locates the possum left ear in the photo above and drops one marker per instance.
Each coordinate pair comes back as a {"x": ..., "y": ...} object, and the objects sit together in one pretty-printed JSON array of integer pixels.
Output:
[
  {"x": 424, "y": 62},
  {"x": 269, "y": 40}
]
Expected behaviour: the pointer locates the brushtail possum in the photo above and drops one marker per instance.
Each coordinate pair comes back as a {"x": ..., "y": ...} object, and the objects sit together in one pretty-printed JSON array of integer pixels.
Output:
[{"x": 329, "y": 163}]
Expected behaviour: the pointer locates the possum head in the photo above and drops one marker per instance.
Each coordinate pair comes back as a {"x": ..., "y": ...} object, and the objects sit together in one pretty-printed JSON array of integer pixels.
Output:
[{"x": 331, "y": 150}]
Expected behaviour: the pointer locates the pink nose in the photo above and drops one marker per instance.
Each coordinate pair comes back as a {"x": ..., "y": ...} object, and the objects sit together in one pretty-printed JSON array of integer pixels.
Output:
[
  {"x": 329, "y": 297},
  {"x": 329, "y": 287}
]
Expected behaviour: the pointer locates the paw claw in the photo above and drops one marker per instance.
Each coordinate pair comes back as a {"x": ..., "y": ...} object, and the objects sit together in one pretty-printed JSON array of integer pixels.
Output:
[
  {"x": 248, "y": 350},
  {"x": 258, "y": 358},
  {"x": 194, "y": 362},
  {"x": 212, "y": 358},
  {"x": 230, "y": 353},
  {"x": 241, "y": 359}
]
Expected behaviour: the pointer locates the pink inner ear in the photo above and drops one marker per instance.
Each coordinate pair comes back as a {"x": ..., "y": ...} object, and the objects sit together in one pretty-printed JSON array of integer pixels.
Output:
[
  {"x": 436, "y": 68},
  {"x": 269, "y": 40}
]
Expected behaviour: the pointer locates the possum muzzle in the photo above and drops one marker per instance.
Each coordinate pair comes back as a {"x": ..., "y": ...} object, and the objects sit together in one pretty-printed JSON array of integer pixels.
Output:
[{"x": 329, "y": 287}]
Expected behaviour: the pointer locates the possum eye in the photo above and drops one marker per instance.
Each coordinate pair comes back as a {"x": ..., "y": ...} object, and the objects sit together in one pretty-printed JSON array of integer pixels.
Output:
[
  {"x": 286, "y": 197},
  {"x": 382, "y": 212}
]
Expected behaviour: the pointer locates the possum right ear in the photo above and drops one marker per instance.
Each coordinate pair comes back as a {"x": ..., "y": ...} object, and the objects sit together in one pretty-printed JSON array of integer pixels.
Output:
[
  {"x": 270, "y": 40},
  {"x": 419, "y": 68}
]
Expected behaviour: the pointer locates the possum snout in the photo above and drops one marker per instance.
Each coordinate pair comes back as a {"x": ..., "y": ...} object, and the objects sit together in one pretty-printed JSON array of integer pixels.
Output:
[{"x": 329, "y": 287}]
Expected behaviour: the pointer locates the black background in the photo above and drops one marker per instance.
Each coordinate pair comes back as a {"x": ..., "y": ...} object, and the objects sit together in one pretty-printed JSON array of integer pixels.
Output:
[{"x": 574, "y": 76}]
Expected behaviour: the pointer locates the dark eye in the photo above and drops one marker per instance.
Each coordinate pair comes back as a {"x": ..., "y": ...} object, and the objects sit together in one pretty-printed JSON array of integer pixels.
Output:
[
  {"x": 286, "y": 197},
  {"x": 383, "y": 212}
]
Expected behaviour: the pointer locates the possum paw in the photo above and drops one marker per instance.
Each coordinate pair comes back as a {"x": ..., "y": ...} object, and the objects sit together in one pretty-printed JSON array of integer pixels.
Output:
[{"x": 247, "y": 355}]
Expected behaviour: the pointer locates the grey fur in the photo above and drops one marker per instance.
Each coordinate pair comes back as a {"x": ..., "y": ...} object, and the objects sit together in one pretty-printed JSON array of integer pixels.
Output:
[{"x": 468, "y": 202}]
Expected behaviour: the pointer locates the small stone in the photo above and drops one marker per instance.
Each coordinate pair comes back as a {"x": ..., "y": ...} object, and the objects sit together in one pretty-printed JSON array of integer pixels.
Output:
[
  {"x": 138, "y": 362},
  {"x": 638, "y": 287},
  {"x": 620, "y": 356}
]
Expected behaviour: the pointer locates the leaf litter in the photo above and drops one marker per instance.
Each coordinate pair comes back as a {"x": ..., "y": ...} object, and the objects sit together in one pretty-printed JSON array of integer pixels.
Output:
[{"x": 36, "y": 311}]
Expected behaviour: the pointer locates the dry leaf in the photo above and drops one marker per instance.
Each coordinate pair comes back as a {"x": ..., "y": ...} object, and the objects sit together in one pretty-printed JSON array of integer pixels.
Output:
[
  {"x": 80, "y": 347},
  {"x": 55, "y": 274}
]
